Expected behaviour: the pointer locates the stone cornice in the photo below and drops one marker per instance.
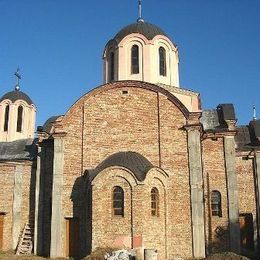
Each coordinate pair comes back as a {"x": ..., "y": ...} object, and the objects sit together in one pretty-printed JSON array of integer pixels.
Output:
[{"x": 218, "y": 134}]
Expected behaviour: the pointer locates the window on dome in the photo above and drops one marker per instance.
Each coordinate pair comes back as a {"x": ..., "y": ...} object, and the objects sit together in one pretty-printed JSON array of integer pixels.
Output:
[
  {"x": 135, "y": 59},
  {"x": 155, "y": 202},
  {"x": 7, "y": 108},
  {"x": 216, "y": 203},
  {"x": 112, "y": 66},
  {"x": 118, "y": 201},
  {"x": 19, "y": 119},
  {"x": 162, "y": 61}
]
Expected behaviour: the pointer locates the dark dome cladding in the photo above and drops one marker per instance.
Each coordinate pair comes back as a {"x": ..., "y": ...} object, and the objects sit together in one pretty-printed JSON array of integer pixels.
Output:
[
  {"x": 147, "y": 29},
  {"x": 133, "y": 161},
  {"x": 16, "y": 95}
]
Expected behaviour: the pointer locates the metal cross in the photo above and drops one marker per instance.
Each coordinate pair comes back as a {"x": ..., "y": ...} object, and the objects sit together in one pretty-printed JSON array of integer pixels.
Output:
[
  {"x": 18, "y": 76},
  {"x": 140, "y": 19},
  {"x": 254, "y": 113}
]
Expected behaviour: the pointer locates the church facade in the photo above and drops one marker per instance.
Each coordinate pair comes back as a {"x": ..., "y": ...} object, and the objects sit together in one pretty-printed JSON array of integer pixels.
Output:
[{"x": 135, "y": 163}]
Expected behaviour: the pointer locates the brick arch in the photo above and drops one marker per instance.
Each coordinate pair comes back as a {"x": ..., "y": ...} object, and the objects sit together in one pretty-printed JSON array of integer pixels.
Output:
[{"x": 133, "y": 84}]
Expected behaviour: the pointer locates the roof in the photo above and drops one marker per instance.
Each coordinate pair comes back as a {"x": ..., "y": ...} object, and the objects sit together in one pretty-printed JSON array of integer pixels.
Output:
[
  {"x": 24, "y": 149},
  {"x": 215, "y": 119},
  {"x": 209, "y": 119},
  {"x": 48, "y": 124},
  {"x": 242, "y": 138},
  {"x": 16, "y": 95},
  {"x": 133, "y": 161},
  {"x": 147, "y": 29}
]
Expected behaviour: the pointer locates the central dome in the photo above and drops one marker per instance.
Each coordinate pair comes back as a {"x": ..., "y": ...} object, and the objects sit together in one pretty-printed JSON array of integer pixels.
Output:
[
  {"x": 141, "y": 51},
  {"x": 146, "y": 29}
]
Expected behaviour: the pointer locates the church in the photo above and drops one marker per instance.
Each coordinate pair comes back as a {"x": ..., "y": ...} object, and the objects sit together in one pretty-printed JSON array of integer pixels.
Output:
[{"x": 135, "y": 163}]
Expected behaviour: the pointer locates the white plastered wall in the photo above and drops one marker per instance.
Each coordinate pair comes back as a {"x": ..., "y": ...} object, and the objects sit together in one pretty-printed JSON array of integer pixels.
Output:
[
  {"x": 148, "y": 60},
  {"x": 28, "y": 121}
]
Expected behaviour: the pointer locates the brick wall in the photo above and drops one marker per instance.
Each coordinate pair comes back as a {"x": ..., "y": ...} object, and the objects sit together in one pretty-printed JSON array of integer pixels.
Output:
[
  {"x": 217, "y": 232},
  {"x": 120, "y": 117},
  {"x": 7, "y": 171}
]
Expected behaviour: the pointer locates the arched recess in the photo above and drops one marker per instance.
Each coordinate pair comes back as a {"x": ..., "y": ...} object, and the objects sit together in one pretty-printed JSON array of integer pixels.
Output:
[
  {"x": 6, "y": 117},
  {"x": 162, "y": 61},
  {"x": 111, "y": 66},
  {"x": 19, "y": 124},
  {"x": 135, "y": 56},
  {"x": 133, "y": 84}
]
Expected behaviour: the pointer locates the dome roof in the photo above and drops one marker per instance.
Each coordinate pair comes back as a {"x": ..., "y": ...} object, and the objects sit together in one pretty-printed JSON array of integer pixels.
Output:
[
  {"x": 16, "y": 95},
  {"x": 146, "y": 29},
  {"x": 133, "y": 161}
]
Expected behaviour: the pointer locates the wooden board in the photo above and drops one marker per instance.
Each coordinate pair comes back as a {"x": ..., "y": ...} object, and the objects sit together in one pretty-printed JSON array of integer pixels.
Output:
[
  {"x": 246, "y": 231},
  {"x": 72, "y": 237}
]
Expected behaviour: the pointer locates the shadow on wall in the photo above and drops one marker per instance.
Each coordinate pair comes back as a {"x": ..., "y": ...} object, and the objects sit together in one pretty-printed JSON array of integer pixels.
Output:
[
  {"x": 219, "y": 241},
  {"x": 79, "y": 227},
  {"x": 32, "y": 198},
  {"x": 45, "y": 199}
]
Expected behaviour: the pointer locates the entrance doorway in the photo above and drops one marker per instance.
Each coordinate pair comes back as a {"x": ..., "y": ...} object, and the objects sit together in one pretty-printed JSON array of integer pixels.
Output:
[
  {"x": 246, "y": 231},
  {"x": 72, "y": 237},
  {"x": 1, "y": 230}
]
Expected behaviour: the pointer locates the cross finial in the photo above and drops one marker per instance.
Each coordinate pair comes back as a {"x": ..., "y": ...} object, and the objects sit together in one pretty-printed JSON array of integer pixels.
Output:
[
  {"x": 140, "y": 19},
  {"x": 18, "y": 77},
  {"x": 254, "y": 113}
]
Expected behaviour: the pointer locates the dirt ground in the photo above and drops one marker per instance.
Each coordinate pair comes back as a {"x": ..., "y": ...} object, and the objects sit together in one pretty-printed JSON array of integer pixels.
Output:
[{"x": 100, "y": 256}]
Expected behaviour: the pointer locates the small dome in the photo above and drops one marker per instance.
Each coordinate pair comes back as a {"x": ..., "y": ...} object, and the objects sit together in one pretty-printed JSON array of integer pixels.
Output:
[
  {"x": 146, "y": 29},
  {"x": 16, "y": 95}
]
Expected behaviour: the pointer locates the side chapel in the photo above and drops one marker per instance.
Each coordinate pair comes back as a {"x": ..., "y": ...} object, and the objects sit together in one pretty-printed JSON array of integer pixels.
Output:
[{"x": 135, "y": 163}]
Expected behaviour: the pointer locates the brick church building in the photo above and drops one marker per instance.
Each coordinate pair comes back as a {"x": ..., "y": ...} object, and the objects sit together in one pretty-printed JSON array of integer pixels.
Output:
[{"x": 135, "y": 163}]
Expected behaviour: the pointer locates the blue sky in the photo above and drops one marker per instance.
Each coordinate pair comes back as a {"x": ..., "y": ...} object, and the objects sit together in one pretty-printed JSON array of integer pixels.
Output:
[{"x": 58, "y": 46}]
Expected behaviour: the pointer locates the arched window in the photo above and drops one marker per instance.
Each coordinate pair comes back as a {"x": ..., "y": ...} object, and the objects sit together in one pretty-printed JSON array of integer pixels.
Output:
[
  {"x": 118, "y": 201},
  {"x": 162, "y": 61},
  {"x": 135, "y": 59},
  {"x": 216, "y": 203},
  {"x": 19, "y": 119},
  {"x": 112, "y": 66},
  {"x": 7, "y": 108},
  {"x": 154, "y": 202}
]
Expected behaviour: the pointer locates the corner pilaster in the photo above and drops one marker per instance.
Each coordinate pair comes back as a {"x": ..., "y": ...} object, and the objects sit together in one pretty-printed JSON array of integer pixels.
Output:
[
  {"x": 196, "y": 188},
  {"x": 232, "y": 192},
  {"x": 257, "y": 181},
  {"x": 57, "y": 217},
  {"x": 17, "y": 202}
]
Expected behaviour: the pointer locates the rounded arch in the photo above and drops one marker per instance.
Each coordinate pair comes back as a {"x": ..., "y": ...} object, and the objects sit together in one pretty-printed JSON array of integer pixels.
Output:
[
  {"x": 129, "y": 177},
  {"x": 118, "y": 201},
  {"x": 155, "y": 202},
  {"x": 20, "y": 115},
  {"x": 133, "y": 84},
  {"x": 135, "y": 59},
  {"x": 162, "y": 61},
  {"x": 6, "y": 117}
]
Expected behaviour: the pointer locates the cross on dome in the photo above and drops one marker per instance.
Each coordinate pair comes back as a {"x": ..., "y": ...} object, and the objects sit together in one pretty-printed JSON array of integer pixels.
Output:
[{"x": 18, "y": 77}]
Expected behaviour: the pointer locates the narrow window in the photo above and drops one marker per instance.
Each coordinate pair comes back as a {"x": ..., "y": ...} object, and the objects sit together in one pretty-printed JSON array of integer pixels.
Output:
[
  {"x": 7, "y": 108},
  {"x": 154, "y": 202},
  {"x": 112, "y": 66},
  {"x": 118, "y": 201},
  {"x": 135, "y": 59},
  {"x": 162, "y": 61},
  {"x": 19, "y": 119},
  {"x": 216, "y": 203}
]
